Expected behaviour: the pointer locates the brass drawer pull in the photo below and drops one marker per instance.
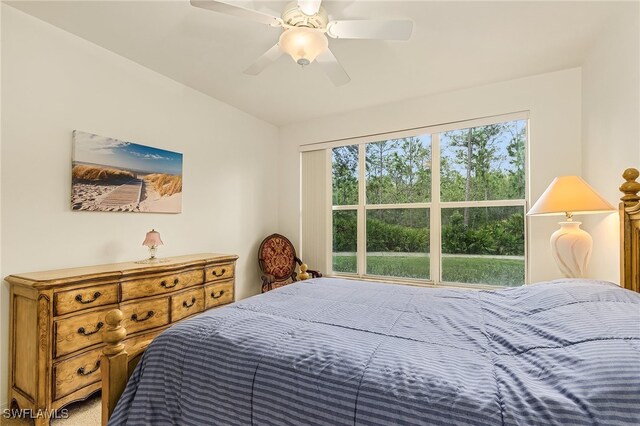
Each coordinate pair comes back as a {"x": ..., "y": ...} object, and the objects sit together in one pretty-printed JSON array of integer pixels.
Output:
[
  {"x": 135, "y": 318},
  {"x": 95, "y": 297},
  {"x": 213, "y": 294},
  {"x": 187, "y": 305},
  {"x": 163, "y": 283},
  {"x": 82, "y": 331},
  {"x": 215, "y": 274},
  {"x": 81, "y": 371}
]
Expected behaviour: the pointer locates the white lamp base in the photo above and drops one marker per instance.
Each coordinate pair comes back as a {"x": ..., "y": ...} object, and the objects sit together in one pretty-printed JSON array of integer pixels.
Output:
[{"x": 571, "y": 248}]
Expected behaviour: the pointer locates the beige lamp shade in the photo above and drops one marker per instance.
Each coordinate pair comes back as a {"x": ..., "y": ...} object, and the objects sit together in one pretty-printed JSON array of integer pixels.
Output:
[
  {"x": 568, "y": 195},
  {"x": 303, "y": 44}
]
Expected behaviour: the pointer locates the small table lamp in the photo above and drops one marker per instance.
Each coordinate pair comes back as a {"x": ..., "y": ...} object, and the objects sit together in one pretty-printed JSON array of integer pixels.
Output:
[
  {"x": 570, "y": 245},
  {"x": 152, "y": 240}
]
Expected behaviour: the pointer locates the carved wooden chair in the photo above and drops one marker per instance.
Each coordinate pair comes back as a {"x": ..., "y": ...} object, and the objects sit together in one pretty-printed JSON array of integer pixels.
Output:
[{"x": 277, "y": 260}]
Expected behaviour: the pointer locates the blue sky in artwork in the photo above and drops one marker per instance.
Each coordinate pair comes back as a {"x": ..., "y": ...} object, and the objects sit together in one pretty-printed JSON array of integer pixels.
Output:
[{"x": 101, "y": 150}]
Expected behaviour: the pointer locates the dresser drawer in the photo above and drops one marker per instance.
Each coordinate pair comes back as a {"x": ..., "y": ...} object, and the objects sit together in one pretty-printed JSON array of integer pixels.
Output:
[
  {"x": 218, "y": 294},
  {"x": 89, "y": 297},
  {"x": 145, "y": 315},
  {"x": 185, "y": 304},
  {"x": 78, "y": 332},
  {"x": 76, "y": 373},
  {"x": 160, "y": 284},
  {"x": 219, "y": 272}
]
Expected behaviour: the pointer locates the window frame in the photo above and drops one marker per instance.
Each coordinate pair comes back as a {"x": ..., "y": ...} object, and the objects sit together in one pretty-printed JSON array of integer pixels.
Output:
[{"x": 435, "y": 206}]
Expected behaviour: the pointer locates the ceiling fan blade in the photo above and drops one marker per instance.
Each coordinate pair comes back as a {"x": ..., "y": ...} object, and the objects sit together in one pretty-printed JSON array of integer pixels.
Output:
[
  {"x": 309, "y": 7},
  {"x": 265, "y": 60},
  {"x": 379, "y": 30},
  {"x": 332, "y": 68},
  {"x": 240, "y": 12}
]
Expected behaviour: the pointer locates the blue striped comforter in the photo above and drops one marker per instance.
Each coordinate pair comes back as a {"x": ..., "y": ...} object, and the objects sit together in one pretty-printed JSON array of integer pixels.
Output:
[{"x": 337, "y": 352}]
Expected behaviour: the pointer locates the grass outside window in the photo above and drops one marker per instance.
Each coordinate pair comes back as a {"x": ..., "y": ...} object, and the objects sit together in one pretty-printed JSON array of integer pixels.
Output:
[{"x": 507, "y": 272}]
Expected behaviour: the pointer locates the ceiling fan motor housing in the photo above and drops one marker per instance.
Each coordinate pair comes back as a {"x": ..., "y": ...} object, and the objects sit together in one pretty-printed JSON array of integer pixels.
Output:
[{"x": 292, "y": 15}]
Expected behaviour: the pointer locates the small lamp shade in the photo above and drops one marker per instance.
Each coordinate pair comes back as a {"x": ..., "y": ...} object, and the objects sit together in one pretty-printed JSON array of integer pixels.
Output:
[
  {"x": 152, "y": 239},
  {"x": 303, "y": 44},
  {"x": 570, "y": 245},
  {"x": 568, "y": 195}
]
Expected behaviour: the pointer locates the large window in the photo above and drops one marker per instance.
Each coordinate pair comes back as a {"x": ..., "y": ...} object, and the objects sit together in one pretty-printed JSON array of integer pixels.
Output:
[{"x": 443, "y": 206}]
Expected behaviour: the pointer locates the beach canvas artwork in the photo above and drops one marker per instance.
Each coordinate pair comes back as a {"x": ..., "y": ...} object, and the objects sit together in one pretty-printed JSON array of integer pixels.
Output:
[{"x": 110, "y": 175}]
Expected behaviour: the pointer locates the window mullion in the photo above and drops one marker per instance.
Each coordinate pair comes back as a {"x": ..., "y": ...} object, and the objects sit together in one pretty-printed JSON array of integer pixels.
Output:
[
  {"x": 362, "y": 220},
  {"x": 482, "y": 203},
  {"x": 397, "y": 206},
  {"x": 435, "y": 231}
]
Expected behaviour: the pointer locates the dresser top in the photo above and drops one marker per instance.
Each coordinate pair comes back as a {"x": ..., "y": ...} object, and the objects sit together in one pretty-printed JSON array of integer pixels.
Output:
[{"x": 115, "y": 270}]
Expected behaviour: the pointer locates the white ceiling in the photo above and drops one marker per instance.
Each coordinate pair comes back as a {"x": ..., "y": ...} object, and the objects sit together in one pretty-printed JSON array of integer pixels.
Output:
[{"x": 454, "y": 45}]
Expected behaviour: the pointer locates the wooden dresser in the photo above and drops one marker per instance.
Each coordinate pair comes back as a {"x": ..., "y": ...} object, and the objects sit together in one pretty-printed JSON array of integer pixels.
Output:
[{"x": 57, "y": 318}]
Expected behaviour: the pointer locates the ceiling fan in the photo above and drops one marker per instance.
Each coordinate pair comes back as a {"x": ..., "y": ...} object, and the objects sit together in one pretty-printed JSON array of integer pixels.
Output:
[{"x": 305, "y": 25}]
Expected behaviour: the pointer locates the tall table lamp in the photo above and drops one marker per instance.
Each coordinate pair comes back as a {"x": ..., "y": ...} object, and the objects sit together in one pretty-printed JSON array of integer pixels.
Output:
[{"x": 570, "y": 245}]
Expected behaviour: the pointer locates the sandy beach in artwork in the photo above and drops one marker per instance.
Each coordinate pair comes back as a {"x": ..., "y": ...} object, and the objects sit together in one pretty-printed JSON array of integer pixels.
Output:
[
  {"x": 162, "y": 194},
  {"x": 107, "y": 189}
]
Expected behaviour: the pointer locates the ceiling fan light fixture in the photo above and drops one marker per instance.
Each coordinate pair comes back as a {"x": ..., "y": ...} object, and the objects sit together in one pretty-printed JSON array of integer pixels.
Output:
[{"x": 303, "y": 44}]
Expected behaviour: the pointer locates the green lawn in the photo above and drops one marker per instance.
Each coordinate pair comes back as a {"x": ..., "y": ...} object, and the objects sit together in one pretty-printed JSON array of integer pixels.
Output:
[{"x": 508, "y": 272}]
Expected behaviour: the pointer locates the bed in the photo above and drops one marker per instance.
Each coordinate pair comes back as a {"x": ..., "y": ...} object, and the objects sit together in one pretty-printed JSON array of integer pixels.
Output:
[{"x": 330, "y": 351}]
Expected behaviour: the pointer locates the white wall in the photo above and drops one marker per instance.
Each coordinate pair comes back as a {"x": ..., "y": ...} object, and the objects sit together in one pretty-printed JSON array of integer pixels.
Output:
[
  {"x": 554, "y": 102},
  {"x": 611, "y": 128},
  {"x": 54, "y": 82}
]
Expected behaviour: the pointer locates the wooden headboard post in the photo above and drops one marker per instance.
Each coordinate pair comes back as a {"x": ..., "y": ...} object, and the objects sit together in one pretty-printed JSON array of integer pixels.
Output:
[
  {"x": 114, "y": 363},
  {"x": 630, "y": 231}
]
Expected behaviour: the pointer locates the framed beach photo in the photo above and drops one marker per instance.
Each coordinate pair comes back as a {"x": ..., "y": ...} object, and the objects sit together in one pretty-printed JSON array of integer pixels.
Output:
[{"x": 110, "y": 175}]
